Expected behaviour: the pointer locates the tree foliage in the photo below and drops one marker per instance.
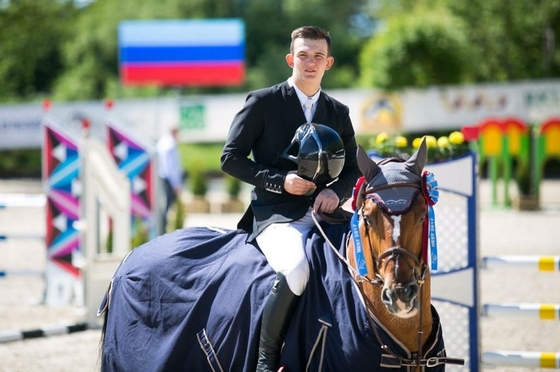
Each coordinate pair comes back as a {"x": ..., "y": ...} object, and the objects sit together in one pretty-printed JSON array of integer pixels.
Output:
[
  {"x": 512, "y": 40},
  {"x": 416, "y": 50},
  {"x": 446, "y": 42},
  {"x": 54, "y": 48},
  {"x": 31, "y": 33}
]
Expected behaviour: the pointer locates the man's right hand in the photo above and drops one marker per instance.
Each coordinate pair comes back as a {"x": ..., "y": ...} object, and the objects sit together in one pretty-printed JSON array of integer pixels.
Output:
[{"x": 296, "y": 185}]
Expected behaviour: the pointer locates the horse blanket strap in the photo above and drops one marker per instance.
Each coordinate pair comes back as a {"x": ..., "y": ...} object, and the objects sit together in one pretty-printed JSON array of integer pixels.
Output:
[
  {"x": 392, "y": 361},
  {"x": 208, "y": 350},
  {"x": 326, "y": 323},
  {"x": 434, "y": 356}
]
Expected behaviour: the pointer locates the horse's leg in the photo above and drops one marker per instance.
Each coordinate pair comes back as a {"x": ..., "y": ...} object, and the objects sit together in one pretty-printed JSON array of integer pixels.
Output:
[{"x": 277, "y": 314}]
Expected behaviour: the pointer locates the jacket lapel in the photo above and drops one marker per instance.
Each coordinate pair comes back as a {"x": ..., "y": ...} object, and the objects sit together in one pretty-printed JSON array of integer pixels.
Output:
[
  {"x": 290, "y": 95},
  {"x": 320, "y": 116}
]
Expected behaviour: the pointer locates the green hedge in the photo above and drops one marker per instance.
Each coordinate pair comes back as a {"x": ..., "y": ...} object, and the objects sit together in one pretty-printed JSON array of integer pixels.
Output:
[
  {"x": 206, "y": 157},
  {"x": 20, "y": 164}
]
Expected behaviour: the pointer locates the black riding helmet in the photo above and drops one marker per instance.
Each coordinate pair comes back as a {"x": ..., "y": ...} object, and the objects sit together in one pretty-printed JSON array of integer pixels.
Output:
[{"x": 318, "y": 152}]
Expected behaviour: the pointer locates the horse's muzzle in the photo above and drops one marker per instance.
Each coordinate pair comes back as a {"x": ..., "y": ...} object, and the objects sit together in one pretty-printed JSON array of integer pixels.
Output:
[{"x": 401, "y": 300}]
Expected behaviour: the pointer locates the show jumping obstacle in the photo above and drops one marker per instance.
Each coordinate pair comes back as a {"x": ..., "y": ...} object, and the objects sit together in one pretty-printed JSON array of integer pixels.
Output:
[
  {"x": 526, "y": 310},
  {"x": 21, "y": 201},
  {"x": 9, "y": 201}
]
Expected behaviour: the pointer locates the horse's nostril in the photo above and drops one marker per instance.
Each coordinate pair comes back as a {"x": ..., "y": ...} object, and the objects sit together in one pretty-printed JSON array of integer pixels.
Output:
[
  {"x": 407, "y": 293},
  {"x": 387, "y": 296},
  {"x": 412, "y": 291}
]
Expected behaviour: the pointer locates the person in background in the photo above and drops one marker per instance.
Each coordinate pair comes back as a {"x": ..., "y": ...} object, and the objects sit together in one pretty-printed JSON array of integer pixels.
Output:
[
  {"x": 279, "y": 217},
  {"x": 170, "y": 171}
]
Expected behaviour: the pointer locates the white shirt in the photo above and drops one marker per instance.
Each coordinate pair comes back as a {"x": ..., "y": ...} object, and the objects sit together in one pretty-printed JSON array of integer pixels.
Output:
[
  {"x": 169, "y": 164},
  {"x": 303, "y": 98}
]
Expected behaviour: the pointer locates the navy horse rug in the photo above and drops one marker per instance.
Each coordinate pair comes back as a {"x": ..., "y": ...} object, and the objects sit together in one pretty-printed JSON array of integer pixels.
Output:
[{"x": 192, "y": 301}]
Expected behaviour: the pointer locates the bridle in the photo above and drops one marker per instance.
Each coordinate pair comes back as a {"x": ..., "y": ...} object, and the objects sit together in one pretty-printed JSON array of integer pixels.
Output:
[{"x": 394, "y": 253}]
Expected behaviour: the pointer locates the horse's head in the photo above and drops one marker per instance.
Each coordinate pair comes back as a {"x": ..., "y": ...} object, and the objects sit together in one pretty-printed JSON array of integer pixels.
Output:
[{"x": 392, "y": 210}]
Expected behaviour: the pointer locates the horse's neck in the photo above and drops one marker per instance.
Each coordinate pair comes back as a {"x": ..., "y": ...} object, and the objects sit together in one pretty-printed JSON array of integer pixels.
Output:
[{"x": 405, "y": 330}]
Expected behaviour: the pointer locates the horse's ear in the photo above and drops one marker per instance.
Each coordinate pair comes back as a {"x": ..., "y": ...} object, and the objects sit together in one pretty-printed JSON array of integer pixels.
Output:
[
  {"x": 367, "y": 166},
  {"x": 418, "y": 160}
]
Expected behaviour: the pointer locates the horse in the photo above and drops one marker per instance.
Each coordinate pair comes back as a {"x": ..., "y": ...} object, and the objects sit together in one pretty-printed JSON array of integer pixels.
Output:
[{"x": 192, "y": 299}]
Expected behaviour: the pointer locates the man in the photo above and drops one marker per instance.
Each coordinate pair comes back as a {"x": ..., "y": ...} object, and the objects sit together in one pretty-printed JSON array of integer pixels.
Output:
[
  {"x": 279, "y": 217},
  {"x": 170, "y": 171}
]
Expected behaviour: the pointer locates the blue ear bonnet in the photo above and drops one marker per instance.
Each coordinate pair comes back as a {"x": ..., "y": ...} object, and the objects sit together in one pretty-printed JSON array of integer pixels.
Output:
[{"x": 397, "y": 198}]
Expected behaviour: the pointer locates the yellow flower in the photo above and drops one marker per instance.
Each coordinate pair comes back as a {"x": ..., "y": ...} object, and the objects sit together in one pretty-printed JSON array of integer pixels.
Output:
[
  {"x": 381, "y": 137},
  {"x": 401, "y": 141},
  {"x": 431, "y": 141},
  {"x": 456, "y": 138},
  {"x": 416, "y": 142},
  {"x": 443, "y": 142}
]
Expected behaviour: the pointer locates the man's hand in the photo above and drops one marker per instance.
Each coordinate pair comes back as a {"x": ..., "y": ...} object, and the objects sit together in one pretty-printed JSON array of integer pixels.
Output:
[
  {"x": 296, "y": 185},
  {"x": 327, "y": 201}
]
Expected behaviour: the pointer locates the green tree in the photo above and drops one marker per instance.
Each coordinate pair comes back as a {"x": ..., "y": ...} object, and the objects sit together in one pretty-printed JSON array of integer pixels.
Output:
[
  {"x": 496, "y": 40},
  {"x": 31, "y": 33},
  {"x": 512, "y": 40},
  {"x": 419, "y": 49},
  {"x": 91, "y": 57}
]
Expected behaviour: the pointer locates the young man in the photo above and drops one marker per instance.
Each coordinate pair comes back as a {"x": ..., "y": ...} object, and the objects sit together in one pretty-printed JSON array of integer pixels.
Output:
[{"x": 279, "y": 217}]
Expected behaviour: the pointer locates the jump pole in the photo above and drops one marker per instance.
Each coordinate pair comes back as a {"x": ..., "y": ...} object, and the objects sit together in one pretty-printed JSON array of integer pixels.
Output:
[
  {"x": 540, "y": 263},
  {"x": 525, "y": 310},
  {"x": 530, "y": 359},
  {"x": 4, "y": 237}
]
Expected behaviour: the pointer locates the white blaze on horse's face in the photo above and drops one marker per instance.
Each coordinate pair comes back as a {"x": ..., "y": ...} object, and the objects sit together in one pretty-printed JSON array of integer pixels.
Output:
[
  {"x": 403, "y": 309},
  {"x": 396, "y": 228}
]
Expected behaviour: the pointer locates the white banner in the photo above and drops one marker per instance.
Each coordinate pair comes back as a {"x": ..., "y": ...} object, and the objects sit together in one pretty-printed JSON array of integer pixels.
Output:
[{"x": 206, "y": 118}]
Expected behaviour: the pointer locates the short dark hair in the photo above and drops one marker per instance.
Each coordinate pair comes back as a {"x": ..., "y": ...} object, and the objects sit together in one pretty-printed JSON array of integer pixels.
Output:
[{"x": 313, "y": 33}]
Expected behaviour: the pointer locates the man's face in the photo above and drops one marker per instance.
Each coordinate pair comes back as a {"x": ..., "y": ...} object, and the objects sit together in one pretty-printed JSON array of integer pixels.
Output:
[{"x": 309, "y": 60}]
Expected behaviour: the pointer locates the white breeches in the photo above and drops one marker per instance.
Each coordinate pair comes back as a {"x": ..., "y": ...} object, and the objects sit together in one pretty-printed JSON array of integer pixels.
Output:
[{"x": 283, "y": 245}]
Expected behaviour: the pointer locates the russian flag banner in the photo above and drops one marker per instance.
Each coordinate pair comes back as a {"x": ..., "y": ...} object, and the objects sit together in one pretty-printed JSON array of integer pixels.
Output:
[{"x": 182, "y": 52}]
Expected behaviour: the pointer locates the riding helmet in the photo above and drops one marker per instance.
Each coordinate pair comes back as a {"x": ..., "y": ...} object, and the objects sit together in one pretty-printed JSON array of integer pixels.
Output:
[{"x": 318, "y": 152}]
